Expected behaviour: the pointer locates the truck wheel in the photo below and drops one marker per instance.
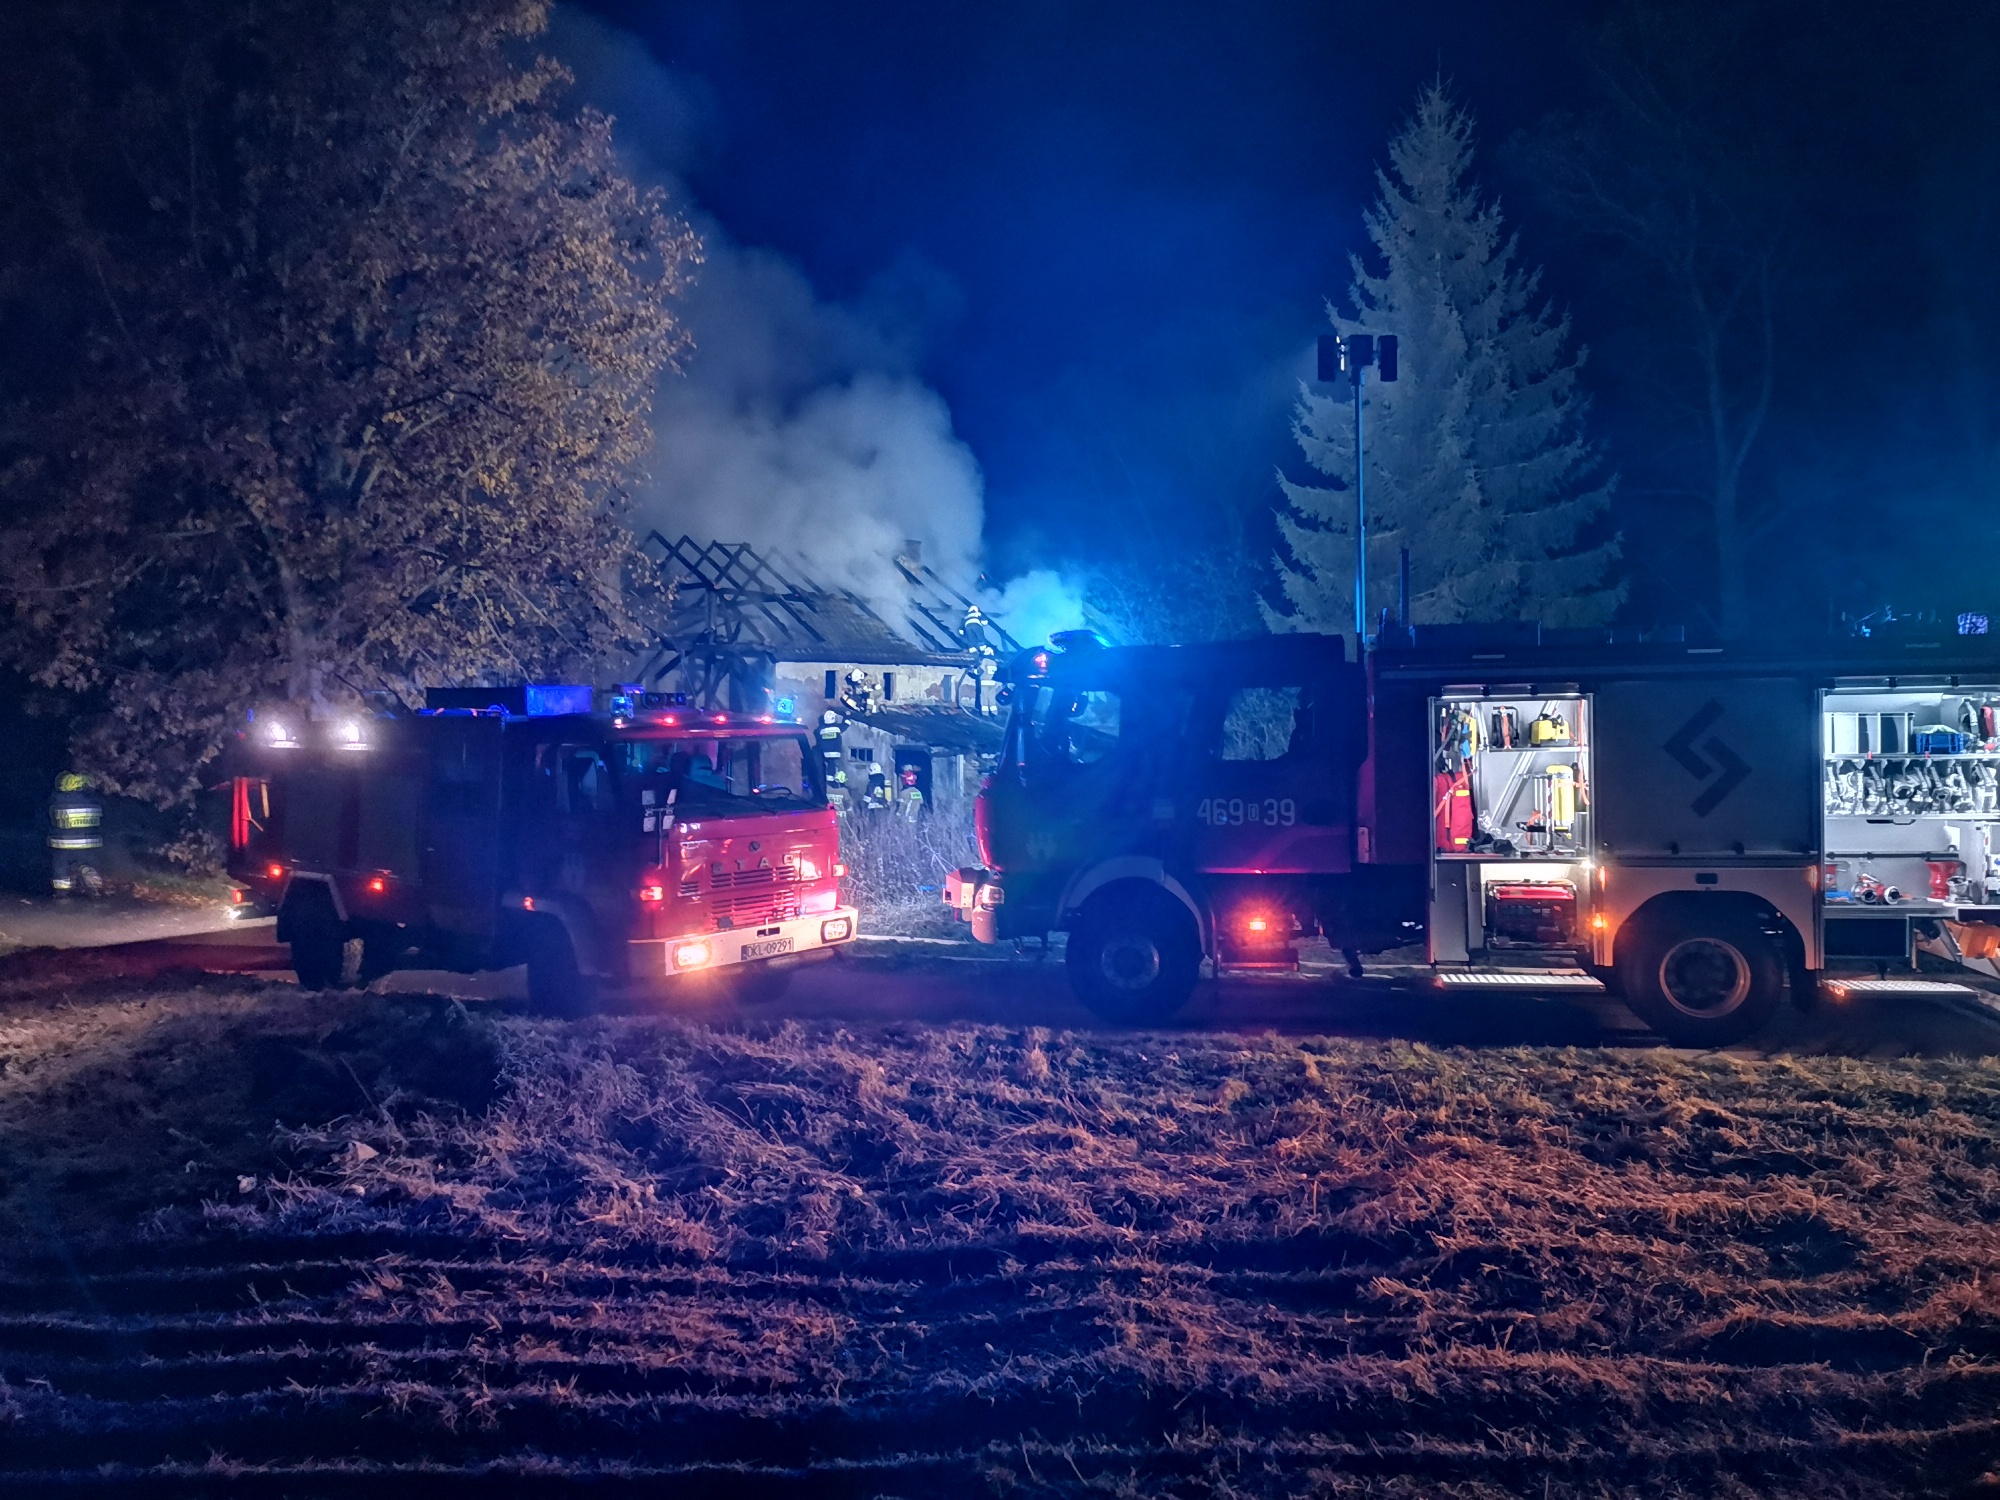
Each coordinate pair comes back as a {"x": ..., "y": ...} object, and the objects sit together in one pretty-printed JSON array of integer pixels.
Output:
[
  {"x": 1702, "y": 980},
  {"x": 319, "y": 942},
  {"x": 557, "y": 985},
  {"x": 1134, "y": 955}
]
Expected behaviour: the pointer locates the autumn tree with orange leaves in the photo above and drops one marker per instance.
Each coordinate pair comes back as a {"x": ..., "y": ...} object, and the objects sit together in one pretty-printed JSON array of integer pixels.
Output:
[{"x": 333, "y": 331}]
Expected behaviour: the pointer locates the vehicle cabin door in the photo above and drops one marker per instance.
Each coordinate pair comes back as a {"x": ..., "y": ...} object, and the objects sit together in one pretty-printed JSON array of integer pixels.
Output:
[
  {"x": 1276, "y": 766},
  {"x": 461, "y": 825},
  {"x": 594, "y": 846}
]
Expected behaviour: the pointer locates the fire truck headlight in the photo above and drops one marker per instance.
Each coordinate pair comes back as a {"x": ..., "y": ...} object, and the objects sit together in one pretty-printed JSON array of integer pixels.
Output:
[
  {"x": 690, "y": 955},
  {"x": 652, "y": 893},
  {"x": 1258, "y": 925},
  {"x": 349, "y": 735},
  {"x": 990, "y": 896},
  {"x": 836, "y": 931},
  {"x": 278, "y": 735},
  {"x": 808, "y": 867}
]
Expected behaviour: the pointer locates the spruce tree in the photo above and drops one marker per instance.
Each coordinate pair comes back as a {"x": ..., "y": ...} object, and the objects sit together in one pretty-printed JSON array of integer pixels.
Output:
[{"x": 1476, "y": 456}]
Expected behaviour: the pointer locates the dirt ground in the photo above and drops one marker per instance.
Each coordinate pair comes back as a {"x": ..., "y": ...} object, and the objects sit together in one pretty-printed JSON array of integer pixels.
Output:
[{"x": 921, "y": 1230}]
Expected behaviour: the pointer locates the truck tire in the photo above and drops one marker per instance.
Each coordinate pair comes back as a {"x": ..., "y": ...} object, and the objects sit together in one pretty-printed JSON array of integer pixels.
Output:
[
  {"x": 1134, "y": 955},
  {"x": 318, "y": 940},
  {"x": 557, "y": 985},
  {"x": 1702, "y": 979}
]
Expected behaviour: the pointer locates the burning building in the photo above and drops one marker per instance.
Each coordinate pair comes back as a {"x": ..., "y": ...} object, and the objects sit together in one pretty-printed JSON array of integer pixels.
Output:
[{"x": 911, "y": 678}]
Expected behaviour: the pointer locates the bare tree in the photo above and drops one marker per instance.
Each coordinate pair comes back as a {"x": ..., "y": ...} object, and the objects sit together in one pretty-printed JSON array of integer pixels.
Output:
[{"x": 1691, "y": 201}]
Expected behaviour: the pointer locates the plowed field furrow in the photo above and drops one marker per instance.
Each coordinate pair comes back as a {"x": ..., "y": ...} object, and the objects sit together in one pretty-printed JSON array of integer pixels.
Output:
[{"x": 489, "y": 1255}]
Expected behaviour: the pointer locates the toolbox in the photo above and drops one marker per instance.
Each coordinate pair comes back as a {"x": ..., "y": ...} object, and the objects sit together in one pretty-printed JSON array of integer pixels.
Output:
[{"x": 1936, "y": 739}]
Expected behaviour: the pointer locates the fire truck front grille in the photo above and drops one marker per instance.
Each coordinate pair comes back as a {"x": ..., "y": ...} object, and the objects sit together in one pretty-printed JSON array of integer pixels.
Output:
[{"x": 747, "y": 898}]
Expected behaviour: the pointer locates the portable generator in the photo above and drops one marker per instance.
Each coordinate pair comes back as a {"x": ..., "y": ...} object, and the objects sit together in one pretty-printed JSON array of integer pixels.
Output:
[{"x": 1531, "y": 914}]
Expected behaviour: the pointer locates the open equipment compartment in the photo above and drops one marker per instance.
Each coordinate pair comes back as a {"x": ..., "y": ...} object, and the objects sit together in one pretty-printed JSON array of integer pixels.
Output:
[
  {"x": 1511, "y": 835},
  {"x": 1910, "y": 808}
]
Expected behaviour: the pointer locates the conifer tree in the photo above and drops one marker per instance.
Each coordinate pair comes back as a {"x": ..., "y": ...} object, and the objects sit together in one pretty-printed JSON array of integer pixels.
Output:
[{"x": 1476, "y": 456}]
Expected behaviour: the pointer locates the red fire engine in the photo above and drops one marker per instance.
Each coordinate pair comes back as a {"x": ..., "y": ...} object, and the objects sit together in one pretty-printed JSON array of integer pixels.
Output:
[
  {"x": 600, "y": 838},
  {"x": 1702, "y": 826}
]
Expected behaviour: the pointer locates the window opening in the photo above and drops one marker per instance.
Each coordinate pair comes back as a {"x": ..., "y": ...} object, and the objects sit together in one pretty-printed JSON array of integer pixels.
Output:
[
  {"x": 1082, "y": 728},
  {"x": 1262, "y": 723}
]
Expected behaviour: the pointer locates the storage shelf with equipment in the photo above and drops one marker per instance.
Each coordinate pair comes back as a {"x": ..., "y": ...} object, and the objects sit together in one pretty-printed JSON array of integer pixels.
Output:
[
  {"x": 1511, "y": 822},
  {"x": 1911, "y": 794}
]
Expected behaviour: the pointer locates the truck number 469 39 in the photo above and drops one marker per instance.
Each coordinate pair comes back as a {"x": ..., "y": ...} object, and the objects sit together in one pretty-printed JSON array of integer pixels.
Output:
[{"x": 1226, "y": 812}]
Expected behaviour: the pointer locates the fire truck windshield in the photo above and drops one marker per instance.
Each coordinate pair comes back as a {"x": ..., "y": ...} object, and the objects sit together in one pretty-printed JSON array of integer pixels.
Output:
[
  {"x": 1057, "y": 728},
  {"x": 724, "y": 777}
]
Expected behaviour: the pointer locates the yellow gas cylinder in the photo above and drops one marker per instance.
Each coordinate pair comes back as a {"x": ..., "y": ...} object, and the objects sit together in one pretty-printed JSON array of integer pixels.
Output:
[{"x": 1562, "y": 798}]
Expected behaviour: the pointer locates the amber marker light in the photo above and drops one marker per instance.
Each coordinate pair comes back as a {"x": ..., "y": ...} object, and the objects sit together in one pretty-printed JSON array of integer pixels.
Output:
[
  {"x": 690, "y": 955},
  {"x": 652, "y": 893}
]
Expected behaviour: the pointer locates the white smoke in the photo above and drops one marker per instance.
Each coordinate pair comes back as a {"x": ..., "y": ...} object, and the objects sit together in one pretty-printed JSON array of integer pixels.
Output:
[
  {"x": 800, "y": 425},
  {"x": 1036, "y": 605}
]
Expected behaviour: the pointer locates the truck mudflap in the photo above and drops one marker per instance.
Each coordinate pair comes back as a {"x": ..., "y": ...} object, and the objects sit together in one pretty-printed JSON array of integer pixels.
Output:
[{"x": 705, "y": 952}]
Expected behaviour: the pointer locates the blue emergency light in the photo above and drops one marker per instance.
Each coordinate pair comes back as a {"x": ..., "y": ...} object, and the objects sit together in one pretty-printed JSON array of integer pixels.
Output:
[
  {"x": 546, "y": 702},
  {"x": 788, "y": 706}
]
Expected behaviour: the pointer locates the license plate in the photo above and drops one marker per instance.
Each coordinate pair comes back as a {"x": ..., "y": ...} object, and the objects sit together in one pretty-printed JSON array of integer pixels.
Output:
[{"x": 767, "y": 948}]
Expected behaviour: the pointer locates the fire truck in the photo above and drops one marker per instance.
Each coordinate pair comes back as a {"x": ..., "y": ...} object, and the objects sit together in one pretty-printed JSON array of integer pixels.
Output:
[
  {"x": 604, "y": 839},
  {"x": 1698, "y": 826}
]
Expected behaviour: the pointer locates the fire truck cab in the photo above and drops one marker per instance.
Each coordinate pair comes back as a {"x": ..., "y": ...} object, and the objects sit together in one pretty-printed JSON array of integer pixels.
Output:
[
  {"x": 603, "y": 839},
  {"x": 1699, "y": 826}
]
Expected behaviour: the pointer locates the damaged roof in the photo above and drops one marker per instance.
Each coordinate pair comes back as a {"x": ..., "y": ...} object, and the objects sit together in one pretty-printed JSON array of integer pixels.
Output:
[
  {"x": 939, "y": 726},
  {"x": 729, "y": 593}
]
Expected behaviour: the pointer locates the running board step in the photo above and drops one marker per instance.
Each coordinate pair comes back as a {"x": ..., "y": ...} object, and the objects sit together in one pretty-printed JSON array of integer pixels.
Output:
[
  {"x": 1517, "y": 979},
  {"x": 1913, "y": 989}
]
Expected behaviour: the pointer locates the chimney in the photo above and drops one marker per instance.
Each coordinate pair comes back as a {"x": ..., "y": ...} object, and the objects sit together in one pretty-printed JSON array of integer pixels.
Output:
[{"x": 913, "y": 554}]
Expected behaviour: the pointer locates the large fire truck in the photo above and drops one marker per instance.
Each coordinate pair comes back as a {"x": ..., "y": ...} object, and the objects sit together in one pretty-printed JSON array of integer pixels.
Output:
[
  {"x": 1698, "y": 826},
  {"x": 603, "y": 839}
]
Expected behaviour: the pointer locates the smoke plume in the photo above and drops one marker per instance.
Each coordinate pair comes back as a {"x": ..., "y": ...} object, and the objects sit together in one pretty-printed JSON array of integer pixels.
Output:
[{"x": 800, "y": 425}]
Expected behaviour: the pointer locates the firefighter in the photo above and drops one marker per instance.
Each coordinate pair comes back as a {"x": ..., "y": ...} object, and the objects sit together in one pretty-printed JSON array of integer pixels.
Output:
[
  {"x": 836, "y": 791},
  {"x": 859, "y": 695},
  {"x": 974, "y": 632},
  {"x": 878, "y": 792},
  {"x": 75, "y": 836},
  {"x": 827, "y": 737},
  {"x": 910, "y": 799}
]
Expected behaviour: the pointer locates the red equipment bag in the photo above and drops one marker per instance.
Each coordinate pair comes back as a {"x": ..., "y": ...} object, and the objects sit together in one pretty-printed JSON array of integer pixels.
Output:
[{"x": 1453, "y": 812}]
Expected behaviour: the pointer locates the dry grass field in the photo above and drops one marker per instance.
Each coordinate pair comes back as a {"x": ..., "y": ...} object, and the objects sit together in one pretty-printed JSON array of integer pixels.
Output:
[{"x": 260, "y": 1242}]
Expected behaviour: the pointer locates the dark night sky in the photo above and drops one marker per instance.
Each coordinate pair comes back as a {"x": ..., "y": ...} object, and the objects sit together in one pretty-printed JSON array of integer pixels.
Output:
[{"x": 1139, "y": 209}]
